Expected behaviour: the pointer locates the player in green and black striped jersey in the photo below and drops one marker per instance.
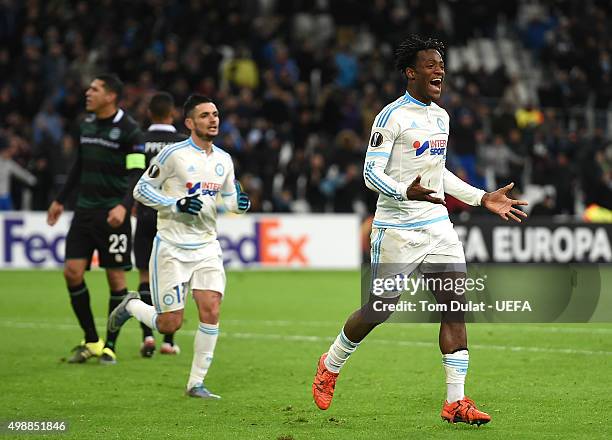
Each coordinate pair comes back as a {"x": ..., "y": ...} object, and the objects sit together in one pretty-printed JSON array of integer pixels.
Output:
[{"x": 110, "y": 160}]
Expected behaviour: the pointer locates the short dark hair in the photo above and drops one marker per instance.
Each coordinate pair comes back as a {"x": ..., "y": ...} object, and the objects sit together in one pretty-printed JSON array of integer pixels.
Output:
[
  {"x": 406, "y": 52},
  {"x": 193, "y": 101},
  {"x": 112, "y": 83},
  {"x": 161, "y": 105}
]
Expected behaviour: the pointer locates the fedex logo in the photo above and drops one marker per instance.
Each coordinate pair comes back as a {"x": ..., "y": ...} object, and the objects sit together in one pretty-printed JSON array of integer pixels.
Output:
[
  {"x": 26, "y": 241},
  {"x": 207, "y": 188},
  {"x": 36, "y": 248},
  {"x": 265, "y": 245},
  {"x": 437, "y": 147}
]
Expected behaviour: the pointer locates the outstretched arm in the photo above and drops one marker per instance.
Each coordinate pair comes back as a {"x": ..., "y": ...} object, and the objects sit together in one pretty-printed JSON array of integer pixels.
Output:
[
  {"x": 499, "y": 203},
  {"x": 21, "y": 173},
  {"x": 461, "y": 190}
]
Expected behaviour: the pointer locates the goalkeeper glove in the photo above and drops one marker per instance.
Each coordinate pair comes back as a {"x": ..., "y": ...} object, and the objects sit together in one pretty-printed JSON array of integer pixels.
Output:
[
  {"x": 189, "y": 205},
  {"x": 243, "y": 198}
]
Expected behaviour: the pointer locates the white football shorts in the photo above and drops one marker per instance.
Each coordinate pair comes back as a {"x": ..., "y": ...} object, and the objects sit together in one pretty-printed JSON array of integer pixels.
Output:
[
  {"x": 432, "y": 249},
  {"x": 174, "y": 272}
]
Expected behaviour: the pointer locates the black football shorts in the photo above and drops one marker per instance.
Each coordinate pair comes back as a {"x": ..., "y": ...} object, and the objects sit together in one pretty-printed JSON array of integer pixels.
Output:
[{"x": 89, "y": 231}]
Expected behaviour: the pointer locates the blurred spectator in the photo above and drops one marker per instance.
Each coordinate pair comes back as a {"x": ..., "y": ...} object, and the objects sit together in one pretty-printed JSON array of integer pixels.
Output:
[
  {"x": 349, "y": 189},
  {"x": 565, "y": 183},
  {"x": 8, "y": 169},
  {"x": 529, "y": 117},
  {"x": 241, "y": 71},
  {"x": 48, "y": 125},
  {"x": 517, "y": 92},
  {"x": 285, "y": 68},
  {"x": 544, "y": 208},
  {"x": 347, "y": 66},
  {"x": 503, "y": 119},
  {"x": 497, "y": 159},
  {"x": 463, "y": 143},
  {"x": 315, "y": 176},
  {"x": 598, "y": 181},
  {"x": 41, "y": 169}
]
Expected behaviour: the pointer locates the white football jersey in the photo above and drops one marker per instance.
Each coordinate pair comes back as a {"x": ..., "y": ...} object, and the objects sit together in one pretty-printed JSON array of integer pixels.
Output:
[
  {"x": 408, "y": 139},
  {"x": 180, "y": 170}
]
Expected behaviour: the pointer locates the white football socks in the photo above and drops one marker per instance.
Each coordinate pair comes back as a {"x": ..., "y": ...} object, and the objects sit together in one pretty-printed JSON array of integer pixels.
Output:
[
  {"x": 203, "y": 349},
  {"x": 142, "y": 312},
  {"x": 339, "y": 352},
  {"x": 456, "y": 367}
]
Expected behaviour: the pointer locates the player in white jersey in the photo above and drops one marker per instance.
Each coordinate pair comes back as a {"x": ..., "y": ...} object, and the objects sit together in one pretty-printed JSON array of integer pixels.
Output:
[
  {"x": 405, "y": 164},
  {"x": 182, "y": 183}
]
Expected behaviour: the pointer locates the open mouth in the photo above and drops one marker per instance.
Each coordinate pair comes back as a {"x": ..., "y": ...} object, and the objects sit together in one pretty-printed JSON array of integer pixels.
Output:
[{"x": 437, "y": 82}]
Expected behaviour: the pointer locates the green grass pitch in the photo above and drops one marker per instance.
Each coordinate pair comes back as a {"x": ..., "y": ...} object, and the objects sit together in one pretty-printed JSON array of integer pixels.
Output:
[{"x": 536, "y": 381}]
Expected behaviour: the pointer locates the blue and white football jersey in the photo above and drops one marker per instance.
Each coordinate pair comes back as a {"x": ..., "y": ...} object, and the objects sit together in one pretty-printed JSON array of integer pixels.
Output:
[
  {"x": 180, "y": 170},
  {"x": 408, "y": 139}
]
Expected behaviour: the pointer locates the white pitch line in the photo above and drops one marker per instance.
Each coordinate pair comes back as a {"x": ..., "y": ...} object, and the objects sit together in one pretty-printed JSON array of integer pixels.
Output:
[
  {"x": 326, "y": 339},
  {"x": 545, "y": 328},
  {"x": 517, "y": 326}
]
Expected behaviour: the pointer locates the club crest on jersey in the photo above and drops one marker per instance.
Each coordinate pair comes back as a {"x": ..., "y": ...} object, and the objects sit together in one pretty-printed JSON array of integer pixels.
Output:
[
  {"x": 219, "y": 169},
  {"x": 441, "y": 125},
  {"x": 437, "y": 147},
  {"x": 114, "y": 133},
  {"x": 376, "y": 140}
]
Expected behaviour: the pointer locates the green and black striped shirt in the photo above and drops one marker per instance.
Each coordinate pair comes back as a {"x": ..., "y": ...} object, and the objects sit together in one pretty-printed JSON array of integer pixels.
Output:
[{"x": 109, "y": 151}]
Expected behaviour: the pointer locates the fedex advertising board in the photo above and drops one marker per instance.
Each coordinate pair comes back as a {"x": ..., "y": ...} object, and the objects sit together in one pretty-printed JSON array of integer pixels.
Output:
[{"x": 258, "y": 241}]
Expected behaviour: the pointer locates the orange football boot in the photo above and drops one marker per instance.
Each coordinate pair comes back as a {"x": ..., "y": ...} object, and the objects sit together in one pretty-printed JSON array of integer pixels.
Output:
[
  {"x": 323, "y": 384},
  {"x": 464, "y": 411}
]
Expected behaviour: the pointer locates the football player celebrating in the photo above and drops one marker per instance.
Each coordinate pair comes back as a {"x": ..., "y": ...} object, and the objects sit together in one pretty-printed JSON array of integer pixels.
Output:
[
  {"x": 405, "y": 164},
  {"x": 182, "y": 184}
]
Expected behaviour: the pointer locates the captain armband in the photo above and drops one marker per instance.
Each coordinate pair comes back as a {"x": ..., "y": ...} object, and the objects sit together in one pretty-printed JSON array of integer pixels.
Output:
[{"x": 135, "y": 160}]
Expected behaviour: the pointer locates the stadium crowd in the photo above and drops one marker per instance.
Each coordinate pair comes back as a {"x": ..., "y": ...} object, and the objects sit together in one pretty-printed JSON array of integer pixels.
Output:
[{"x": 299, "y": 83}]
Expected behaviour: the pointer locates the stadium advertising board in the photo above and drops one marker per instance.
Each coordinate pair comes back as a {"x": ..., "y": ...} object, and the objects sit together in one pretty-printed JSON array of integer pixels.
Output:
[
  {"x": 324, "y": 241},
  {"x": 536, "y": 242},
  {"x": 267, "y": 241}
]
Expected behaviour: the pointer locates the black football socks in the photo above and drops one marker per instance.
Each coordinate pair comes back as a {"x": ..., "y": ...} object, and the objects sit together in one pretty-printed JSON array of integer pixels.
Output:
[
  {"x": 115, "y": 298},
  {"x": 79, "y": 299}
]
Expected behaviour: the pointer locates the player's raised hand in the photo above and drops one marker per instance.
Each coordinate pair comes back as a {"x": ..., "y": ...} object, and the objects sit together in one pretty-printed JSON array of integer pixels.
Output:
[
  {"x": 499, "y": 203},
  {"x": 244, "y": 203},
  {"x": 417, "y": 192},
  {"x": 54, "y": 212},
  {"x": 189, "y": 205}
]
